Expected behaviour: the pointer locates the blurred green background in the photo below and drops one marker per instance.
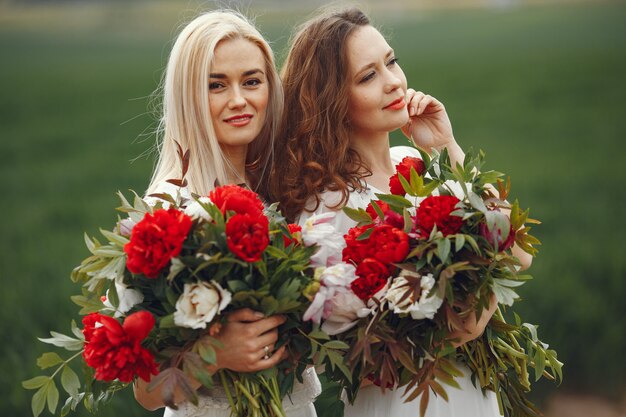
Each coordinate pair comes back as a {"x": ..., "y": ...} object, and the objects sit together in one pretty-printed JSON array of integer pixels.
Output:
[{"x": 540, "y": 87}]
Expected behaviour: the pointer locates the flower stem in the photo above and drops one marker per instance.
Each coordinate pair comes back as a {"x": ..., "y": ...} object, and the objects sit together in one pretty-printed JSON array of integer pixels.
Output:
[{"x": 64, "y": 364}]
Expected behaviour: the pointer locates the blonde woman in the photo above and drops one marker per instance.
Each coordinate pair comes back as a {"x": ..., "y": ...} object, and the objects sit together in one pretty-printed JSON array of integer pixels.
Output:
[{"x": 222, "y": 99}]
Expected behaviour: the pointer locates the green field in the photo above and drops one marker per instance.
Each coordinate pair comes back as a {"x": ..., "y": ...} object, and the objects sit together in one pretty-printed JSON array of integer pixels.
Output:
[{"x": 541, "y": 89}]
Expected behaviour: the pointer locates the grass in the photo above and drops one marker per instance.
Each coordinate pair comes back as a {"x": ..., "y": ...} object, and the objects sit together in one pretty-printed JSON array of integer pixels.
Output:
[{"x": 540, "y": 89}]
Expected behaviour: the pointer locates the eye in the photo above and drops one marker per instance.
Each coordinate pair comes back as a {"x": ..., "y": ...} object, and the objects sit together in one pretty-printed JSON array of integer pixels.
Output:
[
  {"x": 392, "y": 61},
  {"x": 367, "y": 77},
  {"x": 252, "y": 82},
  {"x": 215, "y": 85}
]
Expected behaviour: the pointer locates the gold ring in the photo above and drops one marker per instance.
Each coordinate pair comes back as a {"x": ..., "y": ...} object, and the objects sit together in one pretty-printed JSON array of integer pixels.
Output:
[{"x": 266, "y": 349}]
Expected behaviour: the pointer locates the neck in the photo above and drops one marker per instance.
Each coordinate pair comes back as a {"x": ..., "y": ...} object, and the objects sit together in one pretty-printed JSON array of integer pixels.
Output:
[
  {"x": 374, "y": 150},
  {"x": 235, "y": 163}
]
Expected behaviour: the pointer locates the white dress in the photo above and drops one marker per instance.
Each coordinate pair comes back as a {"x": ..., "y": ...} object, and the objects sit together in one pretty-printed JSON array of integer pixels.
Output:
[
  {"x": 215, "y": 403},
  {"x": 468, "y": 401}
]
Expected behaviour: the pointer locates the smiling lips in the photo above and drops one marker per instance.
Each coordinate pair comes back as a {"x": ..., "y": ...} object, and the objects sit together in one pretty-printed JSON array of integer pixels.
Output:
[
  {"x": 395, "y": 105},
  {"x": 239, "y": 120}
]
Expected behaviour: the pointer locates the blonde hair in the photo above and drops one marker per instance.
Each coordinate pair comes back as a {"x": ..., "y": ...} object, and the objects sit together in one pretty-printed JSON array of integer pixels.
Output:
[{"x": 186, "y": 116}]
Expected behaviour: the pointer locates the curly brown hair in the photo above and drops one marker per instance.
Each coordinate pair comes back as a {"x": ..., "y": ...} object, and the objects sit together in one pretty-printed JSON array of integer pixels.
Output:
[{"x": 313, "y": 152}]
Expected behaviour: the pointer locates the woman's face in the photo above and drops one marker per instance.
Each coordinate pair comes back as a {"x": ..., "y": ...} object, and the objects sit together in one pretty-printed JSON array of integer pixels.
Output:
[
  {"x": 238, "y": 92},
  {"x": 377, "y": 85}
]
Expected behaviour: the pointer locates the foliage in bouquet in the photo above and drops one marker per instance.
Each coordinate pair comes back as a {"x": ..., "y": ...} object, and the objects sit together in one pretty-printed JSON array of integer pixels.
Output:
[
  {"x": 422, "y": 262},
  {"x": 157, "y": 290}
]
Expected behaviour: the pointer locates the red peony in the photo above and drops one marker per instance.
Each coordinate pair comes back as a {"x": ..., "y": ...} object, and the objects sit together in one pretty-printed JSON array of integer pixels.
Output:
[
  {"x": 386, "y": 244},
  {"x": 355, "y": 250},
  {"x": 296, "y": 235},
  {"x": 390, "y": 217},
  {"x": 435, "y": 210},
  {"x": 494, "y": 236},
  {"x": 247, "y": 236},
  {"x": 372, "y": 277},
  {"x": 404, "y": 169},
  {"x": 115, "y": 350},
  {"x": 238, "y": 199},
  {"x": 155, "y": 240}
]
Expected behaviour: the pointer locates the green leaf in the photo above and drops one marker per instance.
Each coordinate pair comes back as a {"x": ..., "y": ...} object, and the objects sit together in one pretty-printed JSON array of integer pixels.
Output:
[
  {"x": 477, "y": 202},
  {"x": 48, "y": 359},
  {"x": 207, "y": 353},
  {"x": 52, "y": 397},
  {"x": 540, "y": 364},
  {"x": 319, "y": 334},
  {"x": 459, "y": 242},
  {"x": 70, "y": 381},
  {"x": 336, "y": 344},
  {"x": 378, "y": 210},
  {"x": 36, "y": 382},
  {"x": 405, "y": 184},
  {"x": 443, "y": 249},
  {"x": 358, "y": 215},
  {"x": 167, "y": 322},
  {"x": 77, "y": 332},
  {"x": 114, "y": 238},
  {"x": 408, "y": 221},
  {"x": 89, "y": 243},
  {"x": 276, "y": 253},
  {"x": 38, "y": 403},
  {"x": 63, "y": 341},
  {"x": 504, "y": 295},
  {"x": 395, "y": 200}
]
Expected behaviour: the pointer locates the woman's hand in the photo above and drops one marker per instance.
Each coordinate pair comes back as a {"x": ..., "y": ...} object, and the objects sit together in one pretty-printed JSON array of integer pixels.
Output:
[
  {"x": 429, "y": 125},
  {"x": 474, "y": 328},
  {"x": 245, "y": 337}
]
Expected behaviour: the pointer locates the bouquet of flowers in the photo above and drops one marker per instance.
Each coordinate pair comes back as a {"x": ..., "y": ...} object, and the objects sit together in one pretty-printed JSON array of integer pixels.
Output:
[
  {"x": 154, "y": 295},
  {"x": 421, "y": 264}
]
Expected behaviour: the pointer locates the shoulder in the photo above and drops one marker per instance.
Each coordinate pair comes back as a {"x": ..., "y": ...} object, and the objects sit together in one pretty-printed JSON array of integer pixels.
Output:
[{"x": 399, "y": 152}]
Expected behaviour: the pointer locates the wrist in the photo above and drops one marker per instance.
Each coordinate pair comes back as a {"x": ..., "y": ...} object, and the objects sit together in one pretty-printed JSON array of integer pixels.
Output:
[{"x": 450, "y": 143}]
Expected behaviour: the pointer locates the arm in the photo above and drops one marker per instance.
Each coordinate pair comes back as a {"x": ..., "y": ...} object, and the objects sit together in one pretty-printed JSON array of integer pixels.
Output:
[
  {"x": 429, "y": 127},
  {"x": 244, "y": 338}
]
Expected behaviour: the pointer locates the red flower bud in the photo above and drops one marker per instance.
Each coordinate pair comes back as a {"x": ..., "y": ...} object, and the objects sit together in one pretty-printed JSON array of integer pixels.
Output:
[{"x": 404, "y": 169}]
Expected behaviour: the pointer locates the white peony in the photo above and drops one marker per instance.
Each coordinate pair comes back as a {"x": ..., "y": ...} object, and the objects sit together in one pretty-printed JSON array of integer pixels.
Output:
[
  {"x": 335, "y": 302},
  {"x": 425, "y": 307},
  {"x": 318, "y": 230},
  {"x": 196, "y": 211},
  {"x": 199, "y": 303}
]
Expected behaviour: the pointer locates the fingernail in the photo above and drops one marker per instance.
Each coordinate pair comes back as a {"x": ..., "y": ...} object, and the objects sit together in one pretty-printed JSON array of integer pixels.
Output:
[
  {"x": 412, "y": 111},
  {"x": 258, "y": 314}
]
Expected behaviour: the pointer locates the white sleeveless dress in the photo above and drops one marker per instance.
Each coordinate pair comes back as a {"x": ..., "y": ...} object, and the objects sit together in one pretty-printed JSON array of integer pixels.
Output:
[
  {"x": 214, "y": 403},
  {"x": 468, "y": 401}
]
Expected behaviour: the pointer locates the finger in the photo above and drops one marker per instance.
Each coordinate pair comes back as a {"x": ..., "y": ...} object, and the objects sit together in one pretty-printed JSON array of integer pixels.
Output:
[
  {"x": 414, "y": 103},
  {"x": 273, "y": 360},
  {"x": 268, "y": 338},
  {"x": 423, "y": 104},
  {"x": 408, "y": 97},
  {"x": 431, "y": 105},
  {"x": 268, "y": 323},
  {"x": 245, "y": 315},
  {"x": 266, "y": 352}
]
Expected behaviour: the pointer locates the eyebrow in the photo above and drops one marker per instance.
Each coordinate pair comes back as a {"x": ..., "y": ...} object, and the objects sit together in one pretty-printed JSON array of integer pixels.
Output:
[
  {"x": 373, "y": 64},
  {"x": 245, "y": 73}
]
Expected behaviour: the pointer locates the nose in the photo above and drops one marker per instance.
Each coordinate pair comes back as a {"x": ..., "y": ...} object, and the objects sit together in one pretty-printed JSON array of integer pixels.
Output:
[
  {"x": 236, "y": 100},
  {"x": 393, "y": 82}
]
